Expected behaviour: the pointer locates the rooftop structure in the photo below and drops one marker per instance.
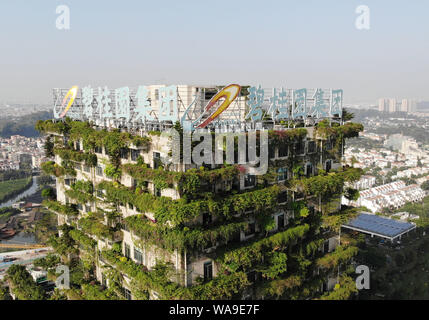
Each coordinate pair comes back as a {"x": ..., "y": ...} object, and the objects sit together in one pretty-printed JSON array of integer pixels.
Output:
[
  {"x": 379, "y": 226},
  {"x": 234, "y": 107}
]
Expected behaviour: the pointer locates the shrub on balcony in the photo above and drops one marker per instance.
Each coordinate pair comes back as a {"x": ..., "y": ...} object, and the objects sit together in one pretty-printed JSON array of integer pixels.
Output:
[{"x": 68, "y": 210}]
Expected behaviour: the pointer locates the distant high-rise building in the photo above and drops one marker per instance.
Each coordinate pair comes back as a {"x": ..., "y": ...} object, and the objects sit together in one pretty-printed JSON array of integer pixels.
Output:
[
  {"x": 382, "y": 105},
  {"x": 392, "y": 105},
  {"x": 405, "y": 105},
  {"x": 408, "y": 105},
  {"x": 413, "y": 106}
]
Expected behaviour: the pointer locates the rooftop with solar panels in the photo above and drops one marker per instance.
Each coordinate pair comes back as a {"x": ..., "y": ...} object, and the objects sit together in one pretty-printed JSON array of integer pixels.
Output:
[{"x": 379, "y": 226}]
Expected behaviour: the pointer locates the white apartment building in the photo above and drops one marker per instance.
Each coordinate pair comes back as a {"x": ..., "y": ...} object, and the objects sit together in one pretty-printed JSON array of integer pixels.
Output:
[
  {"x": 393, "y": 195},
  {"x": 411, "y": 172},
  {"x": 393, "y": 105},
  {"x": 365, "y": 182},
  {"x": 383, "y": 105}
]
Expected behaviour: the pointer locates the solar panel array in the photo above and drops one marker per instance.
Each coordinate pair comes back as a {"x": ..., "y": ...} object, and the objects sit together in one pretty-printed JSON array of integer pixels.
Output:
[{"x": 376, "y": 224}]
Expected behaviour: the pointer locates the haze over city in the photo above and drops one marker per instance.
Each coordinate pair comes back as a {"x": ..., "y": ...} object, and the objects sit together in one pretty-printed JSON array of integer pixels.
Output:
[{"x": 273, "y": 43}]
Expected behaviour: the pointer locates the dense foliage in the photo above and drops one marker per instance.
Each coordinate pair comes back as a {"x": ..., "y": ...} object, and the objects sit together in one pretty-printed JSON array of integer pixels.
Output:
[
  {"x": 22, "y": 284},
  {"x": 11, "y": 188},
  {"x": 285, "y": 258}
]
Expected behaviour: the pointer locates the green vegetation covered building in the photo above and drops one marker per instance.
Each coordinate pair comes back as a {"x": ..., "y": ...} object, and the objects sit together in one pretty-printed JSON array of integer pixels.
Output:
[{"x": 143, "y": 230}]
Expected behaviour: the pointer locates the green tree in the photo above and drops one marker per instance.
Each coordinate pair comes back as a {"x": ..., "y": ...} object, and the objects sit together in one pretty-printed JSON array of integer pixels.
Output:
[
  {"x": 22, "y": 284},
  {"x": 425, "y": 185},
  {"x": 48, "y": 193},
  {"x": 44, "y": 180},
  {"x": 4, "y": 292},
  {"x": 49, "y": 147},
  {"x": 352, "y": 194},
  {"x": 347, "y": 116}
]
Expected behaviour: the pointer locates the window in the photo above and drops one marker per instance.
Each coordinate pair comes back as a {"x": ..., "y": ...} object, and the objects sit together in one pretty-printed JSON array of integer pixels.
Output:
[
  {"x": 67, "y": 182},
  {"x": 208, "y": 271},
  {"x": 280, "y": 221},
  {"x": 98, "y": 150},
  {"x": 311, "y": 146},
  {"x": 138, "y": 256},
  {"x": 271, "y": 152},
  {"x": 127, "y": 294},
  {"x": 298, "y": 195},
  {"x": 100, "y": 193},
  {"x": 249, "y": 180},
  {"x": 86, "y": 168},
  {"x": 282, "y": 197},
  {"x": 326, "y": 246},
  {"x": 80, "y": 207},
  {"x": 208, "y": 94},
  {"x": 87, "y": 208},
  {"x": 324, "y": 287},
  {"x": 281, "y": 174},
  {"x": 328, "y": 165},
  {"x": 156, "y": 191},
  {"x": 283, "y": 150},
  {"x": 251, "y": 228},
  {"x": 123, "y": 153},
  {"x": 78, "y": 166},
  {"x": 207, "y": 219},
  {"x": 309, "y": 170},
  {"x": 130, "y": 206},
  {"x": 77, "y": 145},
  {"x": 135, "y": 154},
  {"x": 99, "y": 171},
  {"x": 156, "y": 160},
  {"x": 299, "y": 148},
  {"x": 127, "y": 250}
]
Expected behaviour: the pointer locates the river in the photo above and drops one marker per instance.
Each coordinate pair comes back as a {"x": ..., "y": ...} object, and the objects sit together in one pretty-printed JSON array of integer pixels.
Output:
[
  {"x": 28, "y": 192},
  {"x": 22, "y": 237}
]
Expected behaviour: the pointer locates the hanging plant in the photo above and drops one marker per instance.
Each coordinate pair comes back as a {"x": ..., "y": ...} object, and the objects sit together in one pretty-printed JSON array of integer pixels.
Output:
[{"x": 113, "y": 172}]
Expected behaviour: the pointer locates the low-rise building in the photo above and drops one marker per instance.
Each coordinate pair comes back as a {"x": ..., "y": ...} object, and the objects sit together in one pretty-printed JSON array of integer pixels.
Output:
[{"x": 393, "y": 195}]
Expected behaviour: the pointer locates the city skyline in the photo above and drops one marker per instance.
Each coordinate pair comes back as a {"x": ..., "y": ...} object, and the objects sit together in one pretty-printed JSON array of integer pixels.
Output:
[{"x": 286, "y": 44}]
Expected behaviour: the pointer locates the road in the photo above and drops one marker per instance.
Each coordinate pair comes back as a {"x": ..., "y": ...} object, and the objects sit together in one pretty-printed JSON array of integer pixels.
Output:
[{"x": 25, "y": 257}]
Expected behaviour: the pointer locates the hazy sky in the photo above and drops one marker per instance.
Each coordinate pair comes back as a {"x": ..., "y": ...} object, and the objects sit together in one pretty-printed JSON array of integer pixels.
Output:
[{"x": 294, "y": 44}]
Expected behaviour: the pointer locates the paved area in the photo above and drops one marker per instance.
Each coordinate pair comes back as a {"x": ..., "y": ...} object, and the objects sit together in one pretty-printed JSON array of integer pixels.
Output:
[{"x": 25, "y": 257}]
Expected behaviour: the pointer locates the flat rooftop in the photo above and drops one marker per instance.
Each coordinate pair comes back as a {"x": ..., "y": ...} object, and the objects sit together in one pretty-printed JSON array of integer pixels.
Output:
[{"x": 379, "y": 226}]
